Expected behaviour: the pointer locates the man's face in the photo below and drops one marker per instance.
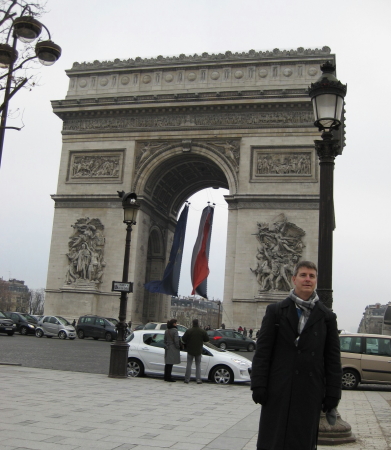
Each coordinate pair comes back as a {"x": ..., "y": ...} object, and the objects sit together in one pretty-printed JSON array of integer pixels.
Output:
[{"x": 305, "y": 282}]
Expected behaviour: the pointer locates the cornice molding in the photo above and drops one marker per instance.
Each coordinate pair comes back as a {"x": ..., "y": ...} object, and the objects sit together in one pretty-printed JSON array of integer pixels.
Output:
[{"x": 183, "y": 59}]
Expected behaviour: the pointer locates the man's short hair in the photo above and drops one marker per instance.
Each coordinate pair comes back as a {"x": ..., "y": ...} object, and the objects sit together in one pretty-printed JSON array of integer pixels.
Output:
[
  {"x": 195, "y": 323},
  {"x": 307, "y": 264}
]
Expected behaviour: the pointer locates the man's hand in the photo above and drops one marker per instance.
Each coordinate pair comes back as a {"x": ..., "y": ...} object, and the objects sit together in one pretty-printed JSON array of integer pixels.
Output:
[
  {"x": 329, "y": 403},
  {"x": 260, "y": 395}
]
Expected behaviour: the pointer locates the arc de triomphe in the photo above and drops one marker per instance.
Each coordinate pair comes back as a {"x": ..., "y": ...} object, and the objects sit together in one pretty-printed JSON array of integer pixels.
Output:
[{"x": 165, "y": 128}]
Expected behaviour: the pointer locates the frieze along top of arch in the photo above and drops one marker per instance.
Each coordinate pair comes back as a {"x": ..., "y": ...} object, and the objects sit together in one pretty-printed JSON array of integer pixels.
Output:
[{"x": 160, "y": 60}]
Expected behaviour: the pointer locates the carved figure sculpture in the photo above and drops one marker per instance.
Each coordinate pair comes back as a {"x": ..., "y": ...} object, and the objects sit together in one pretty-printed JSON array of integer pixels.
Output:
[
  {"x": 280, "y": 249},
  {"x": 85, "y": 256}
]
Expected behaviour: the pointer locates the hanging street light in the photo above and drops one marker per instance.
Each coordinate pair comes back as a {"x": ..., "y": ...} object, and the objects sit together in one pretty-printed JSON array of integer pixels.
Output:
[{"x": 26, "y": 29}]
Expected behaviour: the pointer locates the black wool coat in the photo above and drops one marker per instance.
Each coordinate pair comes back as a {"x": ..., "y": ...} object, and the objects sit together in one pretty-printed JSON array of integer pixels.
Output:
[{"x": 296, "y": 378}]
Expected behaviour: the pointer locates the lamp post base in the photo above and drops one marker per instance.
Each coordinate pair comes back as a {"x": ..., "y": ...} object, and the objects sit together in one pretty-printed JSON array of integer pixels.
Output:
[
  {"x": 119, "y": 360},
  {"x": 340, "y": 433}
]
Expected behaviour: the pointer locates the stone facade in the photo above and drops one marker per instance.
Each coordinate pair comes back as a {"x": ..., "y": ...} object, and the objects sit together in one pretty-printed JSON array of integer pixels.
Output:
[
  {"x": 372, "y": 321},
  {"x": 166, "y": 128},
  {"x": 185, "y": 309},
  {"x": 14, "y": 296}
]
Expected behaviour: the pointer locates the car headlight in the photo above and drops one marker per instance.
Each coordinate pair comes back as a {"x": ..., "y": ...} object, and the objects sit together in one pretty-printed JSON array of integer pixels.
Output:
[
  {"x": 240, "y": 362},
  {"x": 31, "y": 326}
]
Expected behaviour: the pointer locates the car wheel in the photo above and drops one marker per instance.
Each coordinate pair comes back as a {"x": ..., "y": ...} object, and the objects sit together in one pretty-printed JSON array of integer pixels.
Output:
[
  {"x": 39, "y": 333},
  {"x": 350, "y": 379},
  {"x": 135, "y": 368},
  {"x": 96, "y": 338},
  {"x": 10, "y": 333},
  {"x": 108, "y": 337},
  {"x": 23, "y": 331},
  {"x": 62, "y": 334},
  {"x": 223, "y": 346},
  {"x": 222, "y": 375},
  {"x": 250, "y": 347},
  {"x": 80, "y": 334}
]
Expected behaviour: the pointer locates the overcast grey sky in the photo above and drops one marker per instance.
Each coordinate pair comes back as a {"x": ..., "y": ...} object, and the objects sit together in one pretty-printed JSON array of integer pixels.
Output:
[{"x": 357, "y": 31}]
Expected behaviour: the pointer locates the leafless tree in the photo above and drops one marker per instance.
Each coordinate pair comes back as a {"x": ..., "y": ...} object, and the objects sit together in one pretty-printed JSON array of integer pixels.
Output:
[
  {"x": 24, "y": 70},
  {"x": 5, "y": 295},
  {"x": 37, "y": 301}
]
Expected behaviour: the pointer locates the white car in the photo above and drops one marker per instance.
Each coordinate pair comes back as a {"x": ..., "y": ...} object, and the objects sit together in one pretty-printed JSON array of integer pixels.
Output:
[
  {"x": 146, "y": 356},
  {"x": 50, "y": 326},
  {"x": 162, "y": 326}
]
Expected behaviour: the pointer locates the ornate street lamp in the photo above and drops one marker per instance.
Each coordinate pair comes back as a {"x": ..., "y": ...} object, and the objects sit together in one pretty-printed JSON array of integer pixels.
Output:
[
  {"x": 119, "y": 349},
  {"x": 327, "y": 96},
  {"x": 26, "y": 29}
]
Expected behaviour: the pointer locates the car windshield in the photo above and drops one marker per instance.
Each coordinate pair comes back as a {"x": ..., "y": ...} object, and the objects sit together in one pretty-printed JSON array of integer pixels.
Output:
[
  {"x": 28, "y": 317},
  {"x": 150, "y": 326},
  {"x": 2, "y": 315},
  {"x": 130, "y": 337},
  {"x": 112, "y": 320},
  {"x": 208, "y": 344},
  {"x": 63, "y": 321}
]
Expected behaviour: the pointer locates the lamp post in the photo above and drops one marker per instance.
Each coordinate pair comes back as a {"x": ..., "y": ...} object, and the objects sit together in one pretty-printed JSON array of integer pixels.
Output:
[
  {"x": 327, "y": 96},
  {"x": 25, "y": 28},
  {"x": 119, "y": 349},
  {"x": 218, "y": 317}
]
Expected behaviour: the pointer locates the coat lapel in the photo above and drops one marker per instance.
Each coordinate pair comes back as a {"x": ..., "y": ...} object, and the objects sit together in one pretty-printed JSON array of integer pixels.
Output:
[
  {"x": 316, "y": 314},
  {"x": 292, "y": 316}
]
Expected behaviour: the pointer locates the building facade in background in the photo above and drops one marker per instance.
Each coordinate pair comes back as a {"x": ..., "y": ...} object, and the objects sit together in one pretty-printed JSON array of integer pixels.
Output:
[
  {"x": 14, "y": 295},
  {"x": 372, "y": 321},
  {"x": 208, "y": 312},
  {"x": 166, "y": 128}
]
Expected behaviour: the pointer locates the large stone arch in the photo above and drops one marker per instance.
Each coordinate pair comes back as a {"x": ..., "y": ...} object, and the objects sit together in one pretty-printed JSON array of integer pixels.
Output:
[{"x": 166, "y": 128}]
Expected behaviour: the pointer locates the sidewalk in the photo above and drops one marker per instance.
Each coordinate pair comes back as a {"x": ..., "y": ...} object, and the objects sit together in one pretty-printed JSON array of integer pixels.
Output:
[{"x": 49, "y": 409}]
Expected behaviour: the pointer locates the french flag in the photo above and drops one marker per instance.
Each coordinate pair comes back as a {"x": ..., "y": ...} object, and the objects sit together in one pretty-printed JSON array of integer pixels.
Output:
[{"x": 199, "y": 261}]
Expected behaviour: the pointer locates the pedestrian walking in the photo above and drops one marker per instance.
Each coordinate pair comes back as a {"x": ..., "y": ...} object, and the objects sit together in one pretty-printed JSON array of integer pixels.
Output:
[
  {"x": 194, "y": 339},
  {"x": 244, "y": 332},
  {"x": 172, "y": 349},
  {"x": 296, "y": 369},
  {"x": 74, "y": 323},
  {"x": 250, "y": 333},
  {"x": 240, "y": 329}
]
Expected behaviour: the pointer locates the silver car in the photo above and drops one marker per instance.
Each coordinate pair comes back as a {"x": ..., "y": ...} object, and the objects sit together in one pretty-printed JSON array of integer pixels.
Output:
[{"x": 50, "y": 326}]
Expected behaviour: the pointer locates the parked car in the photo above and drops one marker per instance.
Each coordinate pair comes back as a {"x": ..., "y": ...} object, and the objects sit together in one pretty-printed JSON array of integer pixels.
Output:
[
  {"x": 6, "y": 325},
  {"x": 162, "y": 326},
  {"x": 230, "y": 339},
  {"x": 96, "y": 327},
  {"x": 50, "y": 326},
  {"x": 146, "y": 356},
  {"x": 25, "y": 323},
  {"x": 365, "y": 358}
]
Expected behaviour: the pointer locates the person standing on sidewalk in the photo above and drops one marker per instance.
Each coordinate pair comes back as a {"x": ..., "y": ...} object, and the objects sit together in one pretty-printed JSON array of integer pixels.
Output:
[
  {"x": 194, "y": 339},
  {"x": 296, "y": 368},
  {"x": 172, "y": 349}
]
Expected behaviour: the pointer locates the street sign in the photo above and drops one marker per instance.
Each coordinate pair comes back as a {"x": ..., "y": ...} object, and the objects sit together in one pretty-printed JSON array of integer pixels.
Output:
[{"x": 119, "y": 286}]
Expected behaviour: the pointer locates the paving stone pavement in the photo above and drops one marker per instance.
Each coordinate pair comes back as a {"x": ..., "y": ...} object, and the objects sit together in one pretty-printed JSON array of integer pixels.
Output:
[{"x": 50, "y": 409}]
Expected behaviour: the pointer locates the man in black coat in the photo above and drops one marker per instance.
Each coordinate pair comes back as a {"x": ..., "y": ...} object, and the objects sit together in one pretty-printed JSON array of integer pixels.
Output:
[
  {"x": 296, "y": 369},
  {"x": 194, "y": 339}
]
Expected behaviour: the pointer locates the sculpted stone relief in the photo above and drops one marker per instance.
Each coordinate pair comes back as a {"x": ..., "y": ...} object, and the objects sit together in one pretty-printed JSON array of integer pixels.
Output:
[
  {"x": 280, "y": 248},
  {"x": 230, "y": 149},
  {"x": 283, "y": 164},
  {"x": 248, "y": 119},
  {"x": 95, "y": 166},
  {"x": 85, "y": 257}
]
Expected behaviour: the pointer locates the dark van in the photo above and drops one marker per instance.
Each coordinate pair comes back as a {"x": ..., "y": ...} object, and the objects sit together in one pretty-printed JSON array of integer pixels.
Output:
[{"x": 96, "y": 327}]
